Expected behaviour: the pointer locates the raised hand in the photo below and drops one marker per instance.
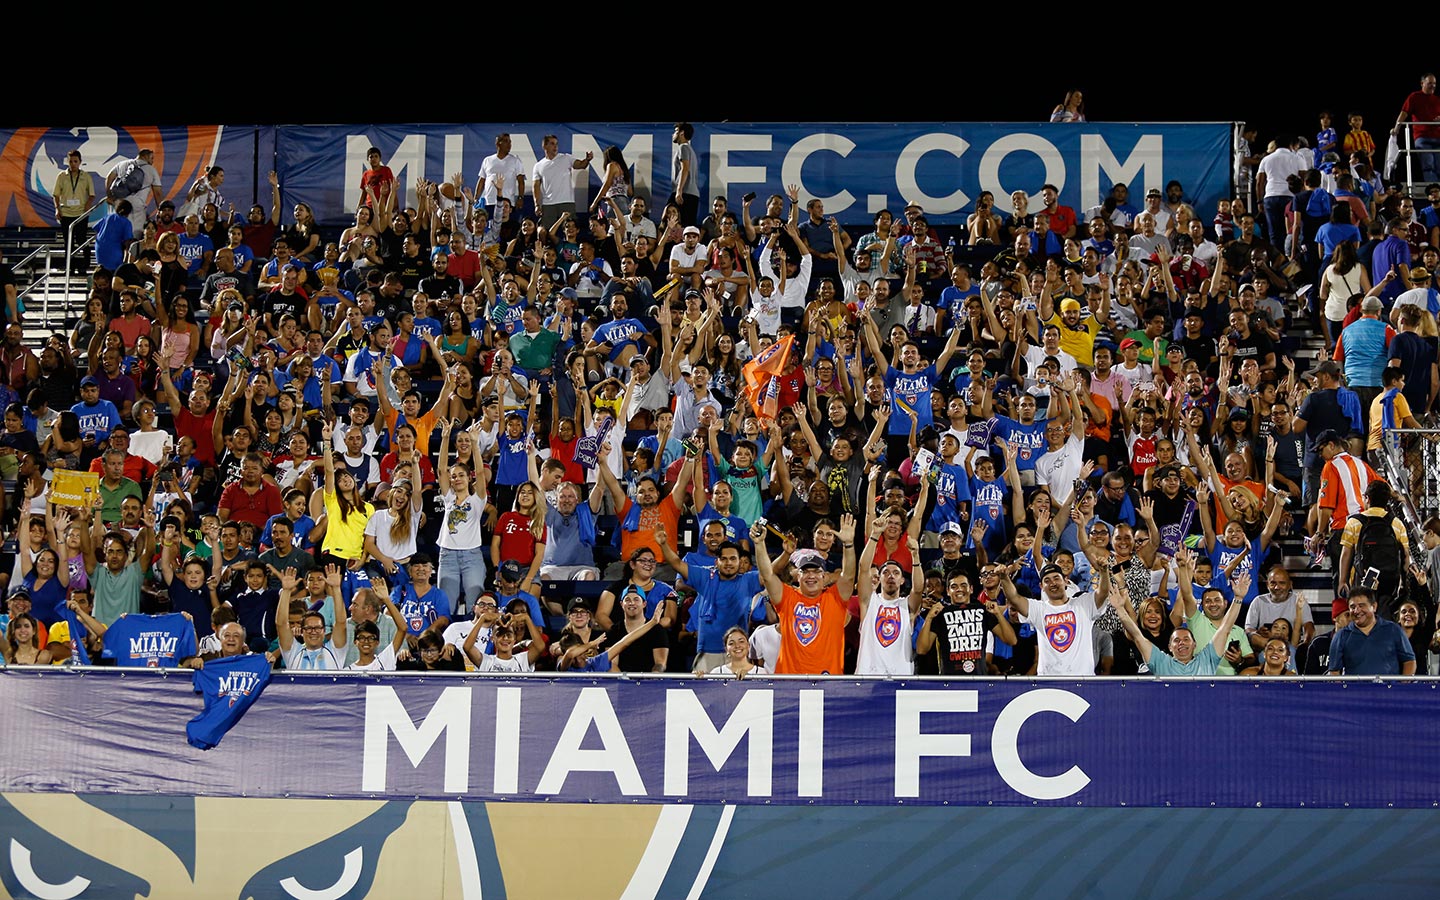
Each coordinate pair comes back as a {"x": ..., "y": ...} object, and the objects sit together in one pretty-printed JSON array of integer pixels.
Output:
[
  {"x": 846, "y": 532},
  {"x": 332, "y": 575},
  {"x": 289, "y": 580}
]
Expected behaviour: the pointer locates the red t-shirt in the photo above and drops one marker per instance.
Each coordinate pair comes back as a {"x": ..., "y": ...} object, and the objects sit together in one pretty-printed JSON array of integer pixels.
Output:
[
  {"x": 812, "y": 633},
  {"x": 563, "y": 451},
  {"x": 466, "y": 267},
  {"x": 1423, "y": 107},
  {"x": 1062, "y": 219},
  {"x": 377, "y": 179},
  {"x": 516, "y": 541},
  {"x": 901, "y": 555},
  {"x": 198, "y": 429}
]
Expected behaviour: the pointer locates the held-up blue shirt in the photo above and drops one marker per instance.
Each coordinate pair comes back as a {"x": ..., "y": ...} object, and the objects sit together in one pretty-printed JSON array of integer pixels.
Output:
[
  {"x": 913, "y": 391},
  {"x": 231, "y": 686},
  {"x": 150, "y": 641}
]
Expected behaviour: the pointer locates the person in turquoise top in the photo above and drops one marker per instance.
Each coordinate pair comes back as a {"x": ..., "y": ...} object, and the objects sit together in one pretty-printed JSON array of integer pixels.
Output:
[
  {"x": 745, "y": 472},
  {"x": 1184, "y": 657}
]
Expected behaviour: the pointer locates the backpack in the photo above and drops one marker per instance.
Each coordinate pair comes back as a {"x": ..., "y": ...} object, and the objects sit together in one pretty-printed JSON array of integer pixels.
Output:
[
  {"x": 128, "y": 183},
  {"x": 1376, "y": 547}
]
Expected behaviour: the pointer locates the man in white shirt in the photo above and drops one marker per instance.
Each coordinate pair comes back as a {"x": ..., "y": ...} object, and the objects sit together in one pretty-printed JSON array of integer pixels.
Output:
[
  {"x": 149, "y": 188},
  {"x": 691, "y": 258},
  {"x": 1205, "y": 250},
  {"x": 554, "y": 189},
  {"x": 636, "y": 223},
  {"x": 1272, "y": 183},
  {"x": 501, "y": 176},
  {"x": 1064, "y": 626}
]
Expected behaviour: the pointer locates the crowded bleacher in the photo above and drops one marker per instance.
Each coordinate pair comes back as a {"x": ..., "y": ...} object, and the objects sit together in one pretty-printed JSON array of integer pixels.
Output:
[{"x": 499, "y": 432}]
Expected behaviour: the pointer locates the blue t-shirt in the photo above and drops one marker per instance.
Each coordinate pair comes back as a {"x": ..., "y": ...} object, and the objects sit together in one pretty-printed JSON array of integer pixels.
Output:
[
  {"x": 48, "y": 603},
  {"x": 1029, "y": 440},
  {"x": 511, "y": 461},
  {"x": 1163, "y": 665},
  {"x": 193, "y": 251},
  {"x": 953, "y": 299},
  {"x": 989, "y": 505},
  {"x": 618, "y": 334},
  {"x": 150, "y": 641},
  {"x": 102, "y": 418},
  {"x": 951, "y": 488},
  {"x": 230, "y": 686},
  {"x": 722, "y": 604},
  {"x": 736, "y": 528},
  {"x": 537, "y": 615},
  {"x": 1221, "y": 556},
  {"x": 421, "y": 612},
  {"x": 913, "y": 391}
]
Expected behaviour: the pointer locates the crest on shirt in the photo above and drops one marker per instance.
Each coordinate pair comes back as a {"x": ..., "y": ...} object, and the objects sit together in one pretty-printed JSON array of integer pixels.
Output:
[
  {"x": 887, "y": 625},
  {"x": 807, "y": 622},
  {"x": 1060, "y": 630}
]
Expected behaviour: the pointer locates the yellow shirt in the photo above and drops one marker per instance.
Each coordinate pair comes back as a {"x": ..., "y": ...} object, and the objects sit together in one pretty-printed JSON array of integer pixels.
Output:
[
  {"x": 345, "y": 538},
  {"x": 1377, "y": 418},
  {"x": 1350, "y": 537},
  {"x": 1079, "y": 341}
]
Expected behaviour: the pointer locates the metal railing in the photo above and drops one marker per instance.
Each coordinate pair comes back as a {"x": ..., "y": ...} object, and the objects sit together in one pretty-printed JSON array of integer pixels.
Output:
[
  {"x": 1411, "y": 159},
  {"x": 41, "y": 288},
  {"x": 1410, "y": 462}
]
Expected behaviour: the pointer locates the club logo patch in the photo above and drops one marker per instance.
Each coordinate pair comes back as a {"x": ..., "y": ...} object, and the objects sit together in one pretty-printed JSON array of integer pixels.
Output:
[
  {"x": 807, "y": 622},
  {"x": 1060, "y": 630},
  {"x": 887, "y": 625}
]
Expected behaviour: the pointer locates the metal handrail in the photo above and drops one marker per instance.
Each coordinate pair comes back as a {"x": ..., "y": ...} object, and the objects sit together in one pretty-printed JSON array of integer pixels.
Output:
[{"x": 70, "y": 247}]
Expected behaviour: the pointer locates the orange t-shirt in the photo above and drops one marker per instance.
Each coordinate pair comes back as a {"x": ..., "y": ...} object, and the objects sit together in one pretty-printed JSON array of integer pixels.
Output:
[
  {"x": 663, "y": 513},
  {"x": 812, "y": 633},
  {"x": 423, "y": 425}
]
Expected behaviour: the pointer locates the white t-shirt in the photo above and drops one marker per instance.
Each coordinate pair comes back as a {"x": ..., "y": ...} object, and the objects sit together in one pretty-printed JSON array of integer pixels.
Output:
[
  {"x": 501, "y": 177},
  {"x": 766, "y": 641},
  {"x": 379, "y": 528},
  {"x": 384, "y": 661},
  {"x": 1141, "y": 374},
  {"x": 1035, "y": 355},
  {"x": 726, "y": 670},
  {"x": 1067, "y": 646},
  {"x": 553, "y": 177},
  {"x": 1278, "y": 167},
  {"x": 518, "y": 665},
  {"x": 680, "y": 257},
  {"x": 1058, "y": 469},
  {"x": 460, "y": 529}
]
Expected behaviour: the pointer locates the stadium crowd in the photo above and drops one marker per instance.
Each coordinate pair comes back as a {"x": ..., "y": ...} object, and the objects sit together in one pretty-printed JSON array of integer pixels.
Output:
[{"x": 499, "y": 431}]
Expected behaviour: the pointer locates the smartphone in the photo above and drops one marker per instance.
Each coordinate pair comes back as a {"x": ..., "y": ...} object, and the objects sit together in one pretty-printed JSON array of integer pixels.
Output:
[
  {"x": 1235, "y": 645},
  {"x": 1371, "y": 578},
  {"x": 748, "y": 198}
]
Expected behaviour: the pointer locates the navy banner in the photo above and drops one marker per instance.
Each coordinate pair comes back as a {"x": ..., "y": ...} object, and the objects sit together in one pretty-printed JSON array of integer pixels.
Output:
[
  {"x": 856, "y": 169},
  {"x": 985, "y": 742}
]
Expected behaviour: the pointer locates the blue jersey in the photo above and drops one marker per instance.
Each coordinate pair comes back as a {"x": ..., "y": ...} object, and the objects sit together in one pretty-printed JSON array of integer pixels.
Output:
[
  {"x": 1222, "y": 556},
  {"x": 150, "y": 641},
  {"x": 537, "y": 615},
  {"x": 951, "y": 488},
  {"x": 421, "y": 612},
  {"x": 736, "y": 528},
  {"x": 230, "y": 686},
  {"x": 989, "y": 507},
  {"x": 619, "y": 333},
  {"x": 1029, "y": 440},
  {"x": 912, "y": 391},
  {"x": 511, "y": 460}
]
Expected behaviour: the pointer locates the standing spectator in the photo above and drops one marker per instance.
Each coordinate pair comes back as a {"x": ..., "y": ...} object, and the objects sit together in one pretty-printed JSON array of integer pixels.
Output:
[
  {"x": 685, "y": 174},
  {"x": 73, "y": 194},
  {"x": 1363, "y": 348},
  {"x": 117, "y": 574},
  {"x": 552, "y": 182},
  {"x": 1423, "y": 106},
  {"x": 377, "y": 182},
  {"x": 812, "y": 615},
  {"x": 1272, "y": 184},
  {"x": 502, "y": 177},
  {"x": 140, "y": 184}
]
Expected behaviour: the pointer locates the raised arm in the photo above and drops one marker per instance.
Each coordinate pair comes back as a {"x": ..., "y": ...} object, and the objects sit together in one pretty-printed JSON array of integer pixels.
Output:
[{"x": 768, "y": 579}]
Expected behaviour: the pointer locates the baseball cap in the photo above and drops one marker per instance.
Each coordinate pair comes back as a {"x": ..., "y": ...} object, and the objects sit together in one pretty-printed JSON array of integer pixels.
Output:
[
  {"x": 951, "y": 528},
  {"x": 807, "y": 559},
  {"x": 1371, "y": 304},
  {"x": 88, "y": 381},
  {"x": 1328, "y": 367},
  {"x": 1128, "y": 343},
  {"x": 689, "y": 230},
  {"x": 1052, "y": 568},
  {"x": 509, "y": 570},
  {"x": 1327, "y": 436},
  {"x": 579, "y": 603}
]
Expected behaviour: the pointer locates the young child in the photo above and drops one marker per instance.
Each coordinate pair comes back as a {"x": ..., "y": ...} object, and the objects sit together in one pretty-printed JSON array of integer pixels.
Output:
[
  {"x": 578, "y": 655},
  {"x": 1224, "y": 220},
  {"x": 745, "y": 472},
  {"x": 1357, "y": 139},
  {"x": 952, "y": 486},
  {"x": 1325, "y": 138}
]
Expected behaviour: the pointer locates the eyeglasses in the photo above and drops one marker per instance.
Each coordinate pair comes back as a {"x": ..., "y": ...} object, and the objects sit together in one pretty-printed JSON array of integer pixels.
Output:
[
  {"x": 369, "y": 638},
  {"x": 313, "y": 628},
  {"x": 646, "y": 560}
]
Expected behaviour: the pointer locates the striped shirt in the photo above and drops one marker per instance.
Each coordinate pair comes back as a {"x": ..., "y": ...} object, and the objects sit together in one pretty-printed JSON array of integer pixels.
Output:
[{"x": 1342, "y": 487}]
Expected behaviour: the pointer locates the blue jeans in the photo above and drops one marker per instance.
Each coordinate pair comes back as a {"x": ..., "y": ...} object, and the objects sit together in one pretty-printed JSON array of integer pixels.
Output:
[
  {"x": 1429, "y": 162},
  {"x": 1275, "y": 220},
  {"x": 462, "y": 576}
]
